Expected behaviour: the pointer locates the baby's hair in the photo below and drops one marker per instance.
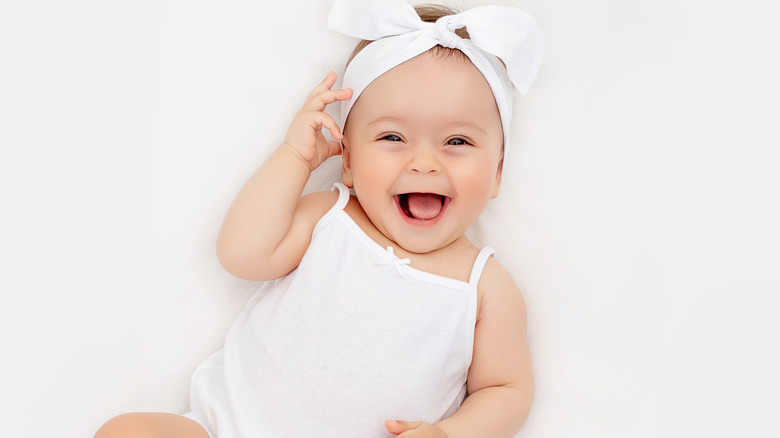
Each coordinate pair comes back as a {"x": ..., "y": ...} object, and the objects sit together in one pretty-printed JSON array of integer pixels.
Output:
[{"x": 428, "y": 13}]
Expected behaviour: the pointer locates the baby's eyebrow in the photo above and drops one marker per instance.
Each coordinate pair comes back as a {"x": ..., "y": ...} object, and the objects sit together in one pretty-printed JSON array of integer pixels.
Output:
[
  {"x": 471, "y": 125},
  {"x": 449, "y": 125},
  {"x": 382, "y": 119}
]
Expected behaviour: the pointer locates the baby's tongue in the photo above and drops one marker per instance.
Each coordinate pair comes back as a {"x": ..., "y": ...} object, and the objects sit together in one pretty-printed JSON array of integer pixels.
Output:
[{"x": 424, "y": 205}]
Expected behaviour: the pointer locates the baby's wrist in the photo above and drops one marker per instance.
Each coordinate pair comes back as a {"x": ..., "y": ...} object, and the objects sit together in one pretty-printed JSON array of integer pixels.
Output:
[{"x": 294, "y": 152}]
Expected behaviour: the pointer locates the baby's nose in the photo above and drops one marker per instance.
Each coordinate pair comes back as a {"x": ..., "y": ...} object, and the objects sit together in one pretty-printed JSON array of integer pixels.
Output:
[{"x": 424, "y": 161}]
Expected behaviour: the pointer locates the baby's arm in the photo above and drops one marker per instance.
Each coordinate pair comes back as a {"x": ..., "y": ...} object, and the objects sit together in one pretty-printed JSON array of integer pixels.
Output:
[
  {"x": 268, "y": 226},
  {"x": 500, "y": 381}
]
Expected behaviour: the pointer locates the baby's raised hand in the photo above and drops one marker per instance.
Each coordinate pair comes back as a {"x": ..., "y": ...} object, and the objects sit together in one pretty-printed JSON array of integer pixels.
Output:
[
  {"x": 414, "y": 429},
  {"x": 305, "y": 137}
]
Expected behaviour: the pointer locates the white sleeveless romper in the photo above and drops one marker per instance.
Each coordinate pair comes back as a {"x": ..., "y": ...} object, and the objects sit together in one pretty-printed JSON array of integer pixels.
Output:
[{"x": 352, "y": 337}]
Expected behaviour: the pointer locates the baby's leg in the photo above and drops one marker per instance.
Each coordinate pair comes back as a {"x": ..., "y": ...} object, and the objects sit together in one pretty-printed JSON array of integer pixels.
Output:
[{"x": 151, "y": 425}]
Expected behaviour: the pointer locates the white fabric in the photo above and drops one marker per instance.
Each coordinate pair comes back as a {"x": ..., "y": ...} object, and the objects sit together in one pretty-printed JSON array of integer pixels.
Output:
[
  {"x": 496, "y": 32},
  {"x": 636, "y": 215},
  {"x": 351, "y": 338}
]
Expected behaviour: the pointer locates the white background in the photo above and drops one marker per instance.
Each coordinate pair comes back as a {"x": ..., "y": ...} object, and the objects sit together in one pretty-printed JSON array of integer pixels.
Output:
[{"x": 639, "y": 210}]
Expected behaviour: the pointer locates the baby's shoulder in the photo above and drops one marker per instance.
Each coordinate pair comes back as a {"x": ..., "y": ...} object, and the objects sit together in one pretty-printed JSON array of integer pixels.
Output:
[
  {"x": 316, "y": 204},
  {"x": 495, "y": 274},
  {"x": 497, "y": 288}
]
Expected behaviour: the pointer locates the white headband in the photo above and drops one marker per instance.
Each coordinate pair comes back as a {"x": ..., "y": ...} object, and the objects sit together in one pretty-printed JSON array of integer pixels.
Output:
[{"x": 398, "y": 35}]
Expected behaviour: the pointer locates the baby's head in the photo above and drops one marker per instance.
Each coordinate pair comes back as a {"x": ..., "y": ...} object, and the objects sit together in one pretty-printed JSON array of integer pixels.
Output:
[
  {"x": 424, "y": 140},
  {"x": 425, "y": 129}
]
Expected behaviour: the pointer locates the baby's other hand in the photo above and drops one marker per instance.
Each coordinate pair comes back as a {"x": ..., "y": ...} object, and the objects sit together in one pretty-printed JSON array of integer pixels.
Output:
[
  {"x": 305, "y": 137},
  {"x": 414, "y": 429}
]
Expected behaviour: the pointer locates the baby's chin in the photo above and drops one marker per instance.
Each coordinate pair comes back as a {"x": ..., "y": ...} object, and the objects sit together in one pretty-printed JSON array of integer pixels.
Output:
[{"x": 421, "y": 245}]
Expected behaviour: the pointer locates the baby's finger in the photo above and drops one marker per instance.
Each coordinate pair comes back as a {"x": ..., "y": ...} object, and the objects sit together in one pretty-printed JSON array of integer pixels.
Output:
[
  {"x": 330, "y": 124},
  {"x": 319, "y": 101},
  {"x": 305, "y": 130},
  {"x": 326, "y": 84},
  {"x": 397, "y": 427},
  {"x": 334, "y": 148}
]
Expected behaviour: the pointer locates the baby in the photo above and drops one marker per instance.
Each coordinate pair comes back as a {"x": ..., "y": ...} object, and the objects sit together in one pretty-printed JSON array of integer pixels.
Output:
[{"x": 382, "y": 317}]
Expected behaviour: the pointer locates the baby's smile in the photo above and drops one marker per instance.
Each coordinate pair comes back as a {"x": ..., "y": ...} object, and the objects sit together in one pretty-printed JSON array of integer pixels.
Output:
[{"x": 419, "y": 208}]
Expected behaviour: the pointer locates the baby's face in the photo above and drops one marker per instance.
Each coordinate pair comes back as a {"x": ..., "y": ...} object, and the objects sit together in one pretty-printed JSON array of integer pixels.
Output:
[{"x": 423, "y": 150}]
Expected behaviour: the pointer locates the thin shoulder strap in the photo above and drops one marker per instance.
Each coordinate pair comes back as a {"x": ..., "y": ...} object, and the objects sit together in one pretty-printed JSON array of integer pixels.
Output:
[
  {"x": 343, "y": 196},
  {"x": 479, "y": 264}
]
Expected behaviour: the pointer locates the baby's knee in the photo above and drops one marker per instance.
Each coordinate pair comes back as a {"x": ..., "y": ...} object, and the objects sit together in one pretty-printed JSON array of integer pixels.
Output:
[
  {"x": 133, "y": 425},
  {"x": 150, "y": 425}
]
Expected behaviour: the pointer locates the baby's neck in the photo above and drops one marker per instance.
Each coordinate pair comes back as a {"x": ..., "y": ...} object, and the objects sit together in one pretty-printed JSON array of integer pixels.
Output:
[{"x": 453, "y": 260}]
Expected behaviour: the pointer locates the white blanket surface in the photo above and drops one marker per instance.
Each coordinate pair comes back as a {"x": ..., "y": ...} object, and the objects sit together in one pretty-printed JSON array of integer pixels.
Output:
[{"x": 638, "y": 214}]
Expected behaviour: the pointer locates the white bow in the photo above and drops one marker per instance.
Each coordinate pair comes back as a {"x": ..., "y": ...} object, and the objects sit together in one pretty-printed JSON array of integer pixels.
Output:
[
  {"x": 396, "y": 261},
  {"x": 399, "y": 35}
]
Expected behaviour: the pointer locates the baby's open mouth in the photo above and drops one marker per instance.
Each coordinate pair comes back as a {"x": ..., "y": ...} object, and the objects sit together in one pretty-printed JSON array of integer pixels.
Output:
[{"x": 422, "y": 206}]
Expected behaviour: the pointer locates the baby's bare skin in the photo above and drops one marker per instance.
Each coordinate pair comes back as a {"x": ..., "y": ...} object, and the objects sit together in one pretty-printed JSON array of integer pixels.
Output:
[{"x": 151, "y": 425}]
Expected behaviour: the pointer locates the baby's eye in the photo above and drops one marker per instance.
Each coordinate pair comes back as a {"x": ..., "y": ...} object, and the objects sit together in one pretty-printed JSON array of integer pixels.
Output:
[
  {"x": 391, "y": 137},
  {"x": 457, "y": 142}
]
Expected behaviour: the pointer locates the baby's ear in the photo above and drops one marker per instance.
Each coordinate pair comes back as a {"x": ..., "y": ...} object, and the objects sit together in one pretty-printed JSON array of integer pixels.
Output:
[
  {"x": 499, "y": 171},
  {"x": 346, "y": 166}
]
